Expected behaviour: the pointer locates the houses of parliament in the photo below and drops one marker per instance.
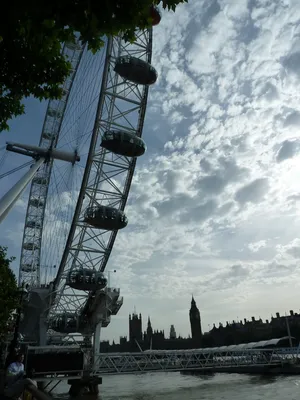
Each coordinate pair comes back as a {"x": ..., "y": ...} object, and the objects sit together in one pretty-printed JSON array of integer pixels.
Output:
[
  {"x": 234, "y": 332},
  {"x": 139, "y": 340}
]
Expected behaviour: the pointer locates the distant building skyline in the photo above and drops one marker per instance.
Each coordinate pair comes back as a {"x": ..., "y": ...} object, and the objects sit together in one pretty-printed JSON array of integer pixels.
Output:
[
  {"x": 236, "y": 332},
  {"x": 196, "y": 333},
  {"x": 136, "y": 326}
]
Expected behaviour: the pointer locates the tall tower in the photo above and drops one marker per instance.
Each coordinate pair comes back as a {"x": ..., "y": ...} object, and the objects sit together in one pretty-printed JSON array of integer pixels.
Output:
[
  {"x": 172, "y": 332},
  {"x": 135, "y": 327},
  {"x": 195, "y": 321},
  {"x": 149, "y": 329}
]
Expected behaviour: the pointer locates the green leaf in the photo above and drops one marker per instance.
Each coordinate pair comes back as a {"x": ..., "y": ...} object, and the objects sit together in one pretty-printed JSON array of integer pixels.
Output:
[
  {"x": 9, "y": 297},
  {"x": 30, "y": 44}
]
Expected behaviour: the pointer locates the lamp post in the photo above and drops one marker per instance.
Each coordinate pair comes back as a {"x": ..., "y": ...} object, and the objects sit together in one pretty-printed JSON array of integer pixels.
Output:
[{"x": 14, "y": 342}]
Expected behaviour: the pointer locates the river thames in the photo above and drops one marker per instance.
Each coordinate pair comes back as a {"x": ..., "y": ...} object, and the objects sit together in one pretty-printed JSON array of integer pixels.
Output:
[{"x": 174, "y": 386}]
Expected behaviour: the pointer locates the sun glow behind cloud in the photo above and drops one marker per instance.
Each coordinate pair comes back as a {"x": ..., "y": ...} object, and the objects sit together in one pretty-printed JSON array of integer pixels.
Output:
[{"x": 214, "y": 205}]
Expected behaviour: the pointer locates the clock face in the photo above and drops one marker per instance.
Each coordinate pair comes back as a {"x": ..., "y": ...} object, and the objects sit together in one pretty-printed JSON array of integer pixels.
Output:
[{"x": 195, "y": 315}]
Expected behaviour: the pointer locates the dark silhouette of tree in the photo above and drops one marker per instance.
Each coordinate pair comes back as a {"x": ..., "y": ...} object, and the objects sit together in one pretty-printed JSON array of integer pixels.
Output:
[
  {"x": 9, "y": 294},
  {"x": 31, "y": 37}
]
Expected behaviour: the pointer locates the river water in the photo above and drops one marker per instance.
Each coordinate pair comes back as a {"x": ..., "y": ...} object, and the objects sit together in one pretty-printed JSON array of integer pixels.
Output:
[{"x": 174, "y": 386}]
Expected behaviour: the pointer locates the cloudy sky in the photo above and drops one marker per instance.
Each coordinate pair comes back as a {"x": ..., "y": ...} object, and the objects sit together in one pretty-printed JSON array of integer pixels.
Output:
[{"x": 215, "y": 204}]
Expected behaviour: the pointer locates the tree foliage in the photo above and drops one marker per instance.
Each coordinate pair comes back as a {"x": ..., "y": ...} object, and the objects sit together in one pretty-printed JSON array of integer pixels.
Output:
[
  {"x": 9, "y": 295},
  {"x": 31, "y": 33}
]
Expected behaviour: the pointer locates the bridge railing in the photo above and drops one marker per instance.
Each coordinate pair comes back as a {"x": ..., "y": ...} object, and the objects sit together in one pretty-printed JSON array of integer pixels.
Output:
[{"x": 115, "y": 363}]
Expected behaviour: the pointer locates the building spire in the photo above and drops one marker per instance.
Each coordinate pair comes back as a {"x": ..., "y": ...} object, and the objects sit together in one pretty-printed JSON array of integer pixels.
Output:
[
  {"x": 193, "y": 303},
  {"x": 195, "y": 321},
  {"x": 149, "y": 329}
]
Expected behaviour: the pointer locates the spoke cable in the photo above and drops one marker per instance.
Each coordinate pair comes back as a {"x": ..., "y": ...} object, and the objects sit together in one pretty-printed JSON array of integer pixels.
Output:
[{"x": 28, "y": 163}]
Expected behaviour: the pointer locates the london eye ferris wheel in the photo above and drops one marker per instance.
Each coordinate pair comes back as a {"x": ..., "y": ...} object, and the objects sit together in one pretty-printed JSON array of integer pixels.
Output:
[{"x": 80, "y": 181}]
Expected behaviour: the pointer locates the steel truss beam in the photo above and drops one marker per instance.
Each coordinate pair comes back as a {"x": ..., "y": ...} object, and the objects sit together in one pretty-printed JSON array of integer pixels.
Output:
[
  {"x": 177, "y": 360},
  {"x": 29, "y": 271},
  {"x": 108, "y": 176}
]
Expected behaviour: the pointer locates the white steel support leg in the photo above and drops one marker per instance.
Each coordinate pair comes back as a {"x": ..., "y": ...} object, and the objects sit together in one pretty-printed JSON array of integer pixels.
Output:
[
  {"x": 10, "y": 198},
  {"x": 96, "y": 349}
]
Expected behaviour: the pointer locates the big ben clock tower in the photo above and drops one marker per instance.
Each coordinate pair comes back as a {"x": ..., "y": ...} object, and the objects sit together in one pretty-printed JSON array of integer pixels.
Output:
[{"x": 195, "y": 321}]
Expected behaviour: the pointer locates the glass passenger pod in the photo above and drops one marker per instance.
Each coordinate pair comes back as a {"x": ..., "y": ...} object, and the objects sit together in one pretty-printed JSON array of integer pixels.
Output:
[
  {"x": 135, "y": 70},
  {"x": 54, "y": 113},
  {"x": 123, "y": 143},
  {"x": 86, "y": 279},
  {"x": 39, "y": 180},
  {"x": 107, "y": 320},
  {"x": 48, "y": 135},
  {"x": 33, "y": 224},
  {"x": 107, "y": 218},
  {"x": 64, "y": 323},
  {"x": 36, "y": 202},
  {"x": 117, "y": 305},
  {"x": 28, "y": 268},
  {"x": 64, "y": 95},
  {"x": 155, "y": 15},
  {"x": 30, "y": 246},
  {"x": 73, "y": 46}
]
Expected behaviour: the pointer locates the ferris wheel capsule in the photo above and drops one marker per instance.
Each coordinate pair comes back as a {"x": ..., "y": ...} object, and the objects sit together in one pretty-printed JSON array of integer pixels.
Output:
[
  {"x": 48, "y": 135},
  {"x": 135, "y": 70},
  {"x": 54, "y": 113},
  {"x": 34, "y": 202},
  {"x": 107, "y": 218},
  {"x": 30, "y": 246},
  {"x": 28, "y": 268},
  {"x": 64, "y": 323},
  {"x": 86, "y": 279},
  {"x": 73, "y": 46},
  {"x": 123, "y": 143},
  {"x": 32, "y": 224},
  {"x": 155, "y": 15},
  {"x": 39, "y": 180}
]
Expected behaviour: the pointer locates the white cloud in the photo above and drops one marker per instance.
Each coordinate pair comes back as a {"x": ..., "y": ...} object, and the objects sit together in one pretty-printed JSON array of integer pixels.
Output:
[{"x": 214, "y": 206}]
